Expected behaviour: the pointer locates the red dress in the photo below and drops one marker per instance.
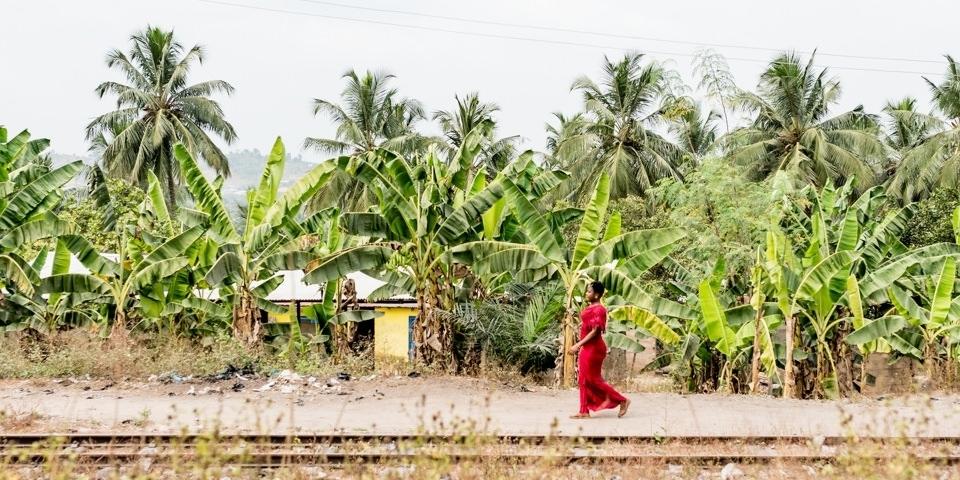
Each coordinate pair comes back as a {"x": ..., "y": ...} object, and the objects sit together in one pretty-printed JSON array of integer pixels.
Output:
[{"x": 595, "y": 394}]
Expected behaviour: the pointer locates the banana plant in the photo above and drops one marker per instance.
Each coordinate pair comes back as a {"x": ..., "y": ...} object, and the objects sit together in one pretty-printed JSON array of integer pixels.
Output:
[
  {"x": 606, "y": 255},
  {"x": 734, "y": 330},
  {"x": 932, "y": 324},
  {"x": 836, "y": 235},
  {"x": 425, "y": 207},
  {"x": 29, "y": 191},
  {"x": 870, "y": 335},
  {"x": 272, "y": 238}
]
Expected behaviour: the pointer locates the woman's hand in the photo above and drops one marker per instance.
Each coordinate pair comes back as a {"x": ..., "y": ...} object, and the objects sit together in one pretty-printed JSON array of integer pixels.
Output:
[{"x": 574, "y": 349}]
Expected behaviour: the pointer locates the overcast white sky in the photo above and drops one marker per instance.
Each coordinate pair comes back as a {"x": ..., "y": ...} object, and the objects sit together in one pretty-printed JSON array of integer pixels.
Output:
[{"x": 54, "y": 53}]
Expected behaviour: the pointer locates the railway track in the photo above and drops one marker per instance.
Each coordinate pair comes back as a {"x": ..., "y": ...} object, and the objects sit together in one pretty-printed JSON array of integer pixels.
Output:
[{"x": 271, "y": 451}]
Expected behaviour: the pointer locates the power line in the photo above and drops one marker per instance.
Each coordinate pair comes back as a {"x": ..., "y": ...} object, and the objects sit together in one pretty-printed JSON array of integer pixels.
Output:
[
  {"x": 605, "y": 34},
  {"x": 528, "y": 39}
]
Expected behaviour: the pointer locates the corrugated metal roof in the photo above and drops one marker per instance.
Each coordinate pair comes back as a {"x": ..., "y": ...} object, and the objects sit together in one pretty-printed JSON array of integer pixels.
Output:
[{"x": 291, "y": 289}]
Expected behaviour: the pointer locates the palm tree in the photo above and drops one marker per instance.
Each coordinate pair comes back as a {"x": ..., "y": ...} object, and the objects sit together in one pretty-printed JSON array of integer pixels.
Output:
[
  {"x": 906, "y": 129},
  {"x": 614, "y": 134},
  {"x": 936, "y": 161},
  {"x": 792, "y": 133},
  {"x": 371, "y": 115},
  {"x": 472, "y": 114},
  {"x": 695, "y": 133},
  {"x": 156, "y": 109}
]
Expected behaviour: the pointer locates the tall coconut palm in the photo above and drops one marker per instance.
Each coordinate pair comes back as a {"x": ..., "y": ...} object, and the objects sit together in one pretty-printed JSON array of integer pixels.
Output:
[
  {"x": 793, "y": 133},
  {"x": 370, "y": 115},
  {"x": 471, "y": 114},
  {"x": 156, "y": 109},
  {"x": 616, "y": 135},
  {"x": 936, "y": 161},
  {"x": 905, "y": 129},
  {"x": 695, "y": 133}
]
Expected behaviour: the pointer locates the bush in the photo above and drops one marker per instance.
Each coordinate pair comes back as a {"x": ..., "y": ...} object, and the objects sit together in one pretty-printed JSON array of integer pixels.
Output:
[{"x": 932, "y": 221}]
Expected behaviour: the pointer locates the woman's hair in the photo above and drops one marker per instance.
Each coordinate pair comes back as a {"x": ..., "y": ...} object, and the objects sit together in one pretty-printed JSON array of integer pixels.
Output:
[{"x": 597, "y": 287}]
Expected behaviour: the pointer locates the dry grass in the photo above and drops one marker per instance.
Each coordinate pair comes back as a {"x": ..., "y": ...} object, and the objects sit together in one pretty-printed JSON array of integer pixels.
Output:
[
  {"x": 18, "y": 421},
  {"x": 78, "y": 353}
]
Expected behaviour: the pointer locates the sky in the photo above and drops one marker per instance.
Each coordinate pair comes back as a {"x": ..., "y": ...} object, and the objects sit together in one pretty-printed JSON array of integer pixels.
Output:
[{"x": 281, "y": 54}]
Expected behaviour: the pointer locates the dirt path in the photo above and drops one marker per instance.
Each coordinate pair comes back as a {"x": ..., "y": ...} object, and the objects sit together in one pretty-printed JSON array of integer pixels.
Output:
[{"x": 404, "y": 405}]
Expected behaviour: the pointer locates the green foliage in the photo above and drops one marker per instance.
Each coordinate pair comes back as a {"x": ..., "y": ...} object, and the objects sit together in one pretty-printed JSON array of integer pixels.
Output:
[
  {"x": 729, "y": 214},
  {"x": 931, "y": 223},
  {"x": 102, "y": 224}
]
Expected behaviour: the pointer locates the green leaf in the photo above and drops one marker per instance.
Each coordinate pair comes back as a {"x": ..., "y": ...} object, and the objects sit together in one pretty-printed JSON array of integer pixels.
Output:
[
  {"x": 88, "y": 256},
  {"x": 534, "y": 225},
  {"x": 47, "y": 226},
  {"x": 366, "y": 224},
  {"x": 943, "y": 295},
  {"x": 901, "y": 345},
  {"x": 613, "y": 226},
  {"x": 268, "y": 286},
  {"x": 157, "y": 271},
  {"x": 622, "y": 342},
  {"x": 656, "y": 243},
  {"x": 820, "y": 275},
  {"x": 73, "y": 283},
  {"x": 956, "y": 224},
  {"x": 228, "y": 269},
  {"x": 492, "y": 219},
  {"x": 850, "y": 232},
  {"x": 206, "y": 197},
  {"x": 346, "y": 261},
  {"x": 17, "y": 273},
  {"x": 350, "y": 316},
  {"x": 295, "y": 260},
  {"x": 158, "y": 204},
  {"x": 647, "y": 321},
  {"x": 24, "y": 202},
  {"x": 297, "y": 194},
  {"x": 618, "y": 283},
  {"x": 470, "y": 213},
  {"x": 881, "y": 328},
  {"x": 881, "y": 278},
  {"x": 175, "y": 247},
  {"x": 854, "y": 301},
  {"x": 715, "y": 320},
  {"x": 502, "y": 257},
  {"x": 589, "y": 234},
  {"x": 265, "y": 194}
]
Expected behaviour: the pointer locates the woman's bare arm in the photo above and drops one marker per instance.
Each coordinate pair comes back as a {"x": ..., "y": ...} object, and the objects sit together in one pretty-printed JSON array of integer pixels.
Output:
[{"x": 589, "y": 336}]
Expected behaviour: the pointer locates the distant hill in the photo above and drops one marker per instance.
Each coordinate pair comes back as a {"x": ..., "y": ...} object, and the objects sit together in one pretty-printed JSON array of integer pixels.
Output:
[{"x": 246, "y": 166}]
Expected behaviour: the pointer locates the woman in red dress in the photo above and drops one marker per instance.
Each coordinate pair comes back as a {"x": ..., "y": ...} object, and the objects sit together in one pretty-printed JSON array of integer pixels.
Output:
[{"x": 595, "y": 394}]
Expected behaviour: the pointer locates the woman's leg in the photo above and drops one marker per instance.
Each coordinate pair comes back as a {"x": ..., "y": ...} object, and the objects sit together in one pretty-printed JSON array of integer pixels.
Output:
[{"x": 584, "y": 411}]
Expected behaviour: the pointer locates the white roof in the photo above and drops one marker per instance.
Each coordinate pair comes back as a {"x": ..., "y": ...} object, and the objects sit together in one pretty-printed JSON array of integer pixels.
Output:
[
  {"x": 292, "y": 287},
  {"x": 75, "y": 266},
  {"x": 366, "y": 285}
]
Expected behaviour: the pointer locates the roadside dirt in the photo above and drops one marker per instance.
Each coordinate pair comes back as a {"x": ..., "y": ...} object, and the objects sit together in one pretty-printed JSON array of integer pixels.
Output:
[{"x": 289, "y": 403}]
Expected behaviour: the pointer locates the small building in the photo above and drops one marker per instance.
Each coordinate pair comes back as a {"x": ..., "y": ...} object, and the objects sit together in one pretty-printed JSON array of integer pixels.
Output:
[{"x": 392, "y": 331}]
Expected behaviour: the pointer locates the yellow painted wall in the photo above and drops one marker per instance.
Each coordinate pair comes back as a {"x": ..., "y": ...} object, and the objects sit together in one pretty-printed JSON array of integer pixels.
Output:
[{"x": 391, "y": 332}]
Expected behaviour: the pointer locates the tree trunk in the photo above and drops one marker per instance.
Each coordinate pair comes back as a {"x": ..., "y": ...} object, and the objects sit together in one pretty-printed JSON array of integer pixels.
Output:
[
  {"x": 118, "y": 331},
  {"x": 788, "y": 380},
  {"x": 930, "y": 359},
  {"x": 566, "y": 373},
  {"x": 822, "y": 370},
  {"x": 844, "y": 357},
  {"x": 171, "y": 194},
  {"x": 343, "y": 334},
  {"x": 432, "y": 335},
  {"x": 246, "y": 318},
  {"x": 755, "y": 361}
]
